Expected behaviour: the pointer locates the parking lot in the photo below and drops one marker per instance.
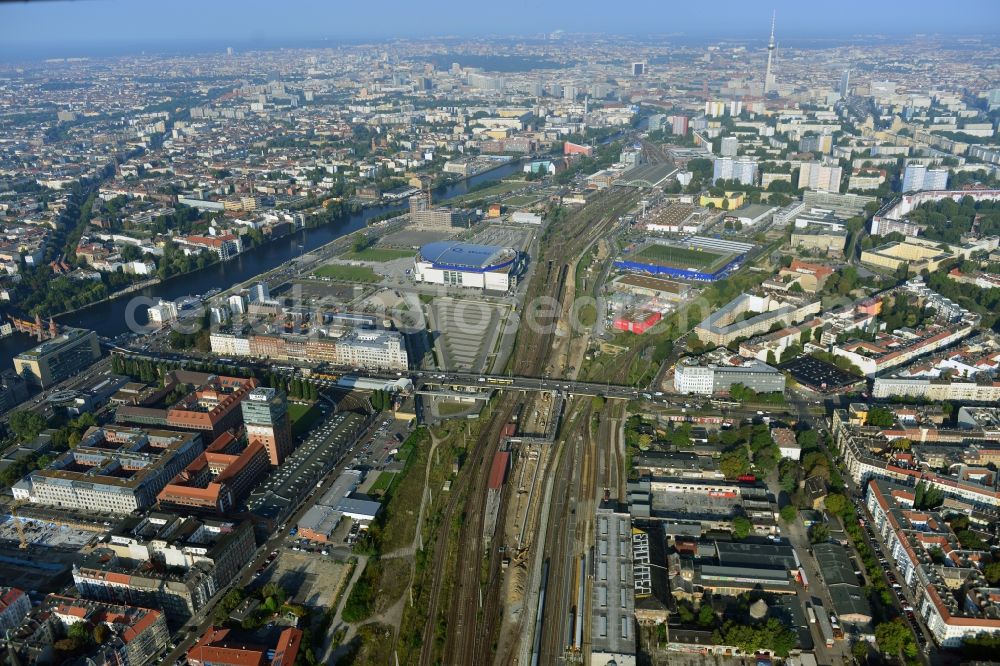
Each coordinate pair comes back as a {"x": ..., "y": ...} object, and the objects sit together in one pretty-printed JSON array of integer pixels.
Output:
[
  {"x": 467, "y": 332},
  {"x": 413, "y": 238},
  {"x": 515, "y": 237},
  {"x": 819, "y": 375},
  {"x": 311, "y": 579}
]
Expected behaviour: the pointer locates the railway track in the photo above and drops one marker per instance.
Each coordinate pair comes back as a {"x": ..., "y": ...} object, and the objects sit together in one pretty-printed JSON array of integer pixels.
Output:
[
  {"x": 469, "y": 606},
  {"x": 575, "y": 479},
  {"x": 468, "y": 504}
]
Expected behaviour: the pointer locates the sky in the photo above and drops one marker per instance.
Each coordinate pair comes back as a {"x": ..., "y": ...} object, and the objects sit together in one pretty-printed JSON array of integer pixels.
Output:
[{"x": 60, "y": 27}]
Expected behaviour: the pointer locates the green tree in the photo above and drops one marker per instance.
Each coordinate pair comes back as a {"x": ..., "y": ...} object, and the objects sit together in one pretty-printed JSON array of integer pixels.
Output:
[
  {"x": 992, "y": 572},
  {"x": 27, "y": 425},
  {"x": 819, "y": 533},
  {"x": 880, "y": 417},
  {"x": 734, "y": 463},
  {"x": 837, "y": 504},
  {"x": 970, "y": 540},
  {"x": 860, "y": 651},
  {"x": 895, "y": 638},
  {"x": 741, "y": 527},
  {"x": 706, "y": 616},
  {"x": 272, "y": 590},
  {"x": 789, "y": 513},
  {"x": 81, "y": 631}
]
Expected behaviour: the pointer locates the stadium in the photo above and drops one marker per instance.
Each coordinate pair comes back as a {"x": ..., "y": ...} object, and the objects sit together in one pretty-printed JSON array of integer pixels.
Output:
[
  {"x": 694, "y": 258},
  {"x": 457, "y": 264}
]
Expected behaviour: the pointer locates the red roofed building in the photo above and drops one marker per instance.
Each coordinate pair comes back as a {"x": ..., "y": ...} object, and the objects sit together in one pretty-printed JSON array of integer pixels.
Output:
[
  {"x": 226, "y": 246},
  {"x": 220, "y": 647},
  {"x": 217, "y": 479},
  {"x": 14, "y": 605},
  {"x": 570, "y": 148},
  {"x": 213, "y": 406},
  {"x": 135, "y": 635}
]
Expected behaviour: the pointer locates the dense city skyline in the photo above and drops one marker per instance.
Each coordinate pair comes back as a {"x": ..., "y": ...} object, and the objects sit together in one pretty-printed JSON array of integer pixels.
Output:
[
  {"x": 59, "y": 29},
  {"x": 579, "y": 334}
]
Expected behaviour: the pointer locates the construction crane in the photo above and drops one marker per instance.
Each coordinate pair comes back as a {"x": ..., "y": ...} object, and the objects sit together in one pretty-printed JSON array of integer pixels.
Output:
[{"x": 23, "y": 540}]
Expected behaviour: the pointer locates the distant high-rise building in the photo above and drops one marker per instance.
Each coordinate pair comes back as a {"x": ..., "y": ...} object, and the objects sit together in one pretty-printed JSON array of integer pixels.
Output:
[
  {"x": 715, "y": 108},
  {"x": 817, "y": 176},
  {"x": 735, "y": 107},
  {"x": 917, "y": 177},
  {"x": 484, "y": 82},
  {"x": 742, "y": 169},
  {"x": 845, "y": 84},
  {"x": 816, "y": 143},
  {"x": 993, "y": 99},
  {"x": 680, "y": 125},
  {"x": 730, "y": 146},
  {"x": 638, "y": 68},
  {"x": 259, "y": 293},
  {"x": 769, "y": 73},
  {"x": 570, "y": 92},
  {"x": 265, "y": 415},
  {"x": 229, "y": 50}
]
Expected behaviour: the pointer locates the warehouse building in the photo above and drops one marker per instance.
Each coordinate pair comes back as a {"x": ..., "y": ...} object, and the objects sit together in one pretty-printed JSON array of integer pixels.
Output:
[{"x": 612, "y": 625}]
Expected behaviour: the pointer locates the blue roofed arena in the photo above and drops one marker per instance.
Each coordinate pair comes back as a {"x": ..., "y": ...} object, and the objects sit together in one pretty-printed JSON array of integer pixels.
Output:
[{"x": 458, "y": 264}]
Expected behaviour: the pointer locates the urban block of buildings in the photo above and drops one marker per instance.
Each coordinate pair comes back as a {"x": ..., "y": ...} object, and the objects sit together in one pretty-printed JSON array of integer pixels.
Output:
[
  {"x": 728, "y": 323},
  {"x": 115, "y": 469},
  {"x": 166, "y": 561},
  {"x": 953, "y": 597}
]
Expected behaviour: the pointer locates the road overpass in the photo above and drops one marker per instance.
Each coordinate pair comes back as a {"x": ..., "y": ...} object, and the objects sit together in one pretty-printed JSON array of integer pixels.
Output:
[{"x": 459, "y": 381}]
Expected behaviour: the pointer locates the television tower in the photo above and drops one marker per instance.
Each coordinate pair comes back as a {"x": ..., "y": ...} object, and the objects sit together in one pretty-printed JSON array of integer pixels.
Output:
[{"x": 768, "y": 82}]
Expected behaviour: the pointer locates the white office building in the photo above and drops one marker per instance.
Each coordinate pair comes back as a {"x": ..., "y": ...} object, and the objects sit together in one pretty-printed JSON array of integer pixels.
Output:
[
  {"x": 818, "y": 176},
  {"x": 237, "y": 304},
  {"x": 227, "y": 344},
  {"x": 730, "y": 146},
  {"x": 372, "y": 349},
  {"x": 917, "y": 177},
  {"x": 742, "y": 169},
  {"x": 259, "y": 293}
]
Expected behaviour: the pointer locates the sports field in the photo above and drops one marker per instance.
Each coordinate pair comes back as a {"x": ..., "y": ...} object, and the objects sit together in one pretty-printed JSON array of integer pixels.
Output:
[
  {"x": 347, "y": 273},
  {"x": 672, "y": 256},
  {"x": 379, "y": 254}
]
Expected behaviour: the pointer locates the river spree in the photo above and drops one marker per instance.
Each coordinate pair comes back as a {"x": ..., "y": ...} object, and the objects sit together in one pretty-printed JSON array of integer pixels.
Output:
[{"x": 108, "y": 318}]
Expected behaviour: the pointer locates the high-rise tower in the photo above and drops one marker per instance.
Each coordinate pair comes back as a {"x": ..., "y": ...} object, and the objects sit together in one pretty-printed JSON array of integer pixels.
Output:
[
  {"x": 768, "y": 75},
  {"x": 265, "y": 414}
]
